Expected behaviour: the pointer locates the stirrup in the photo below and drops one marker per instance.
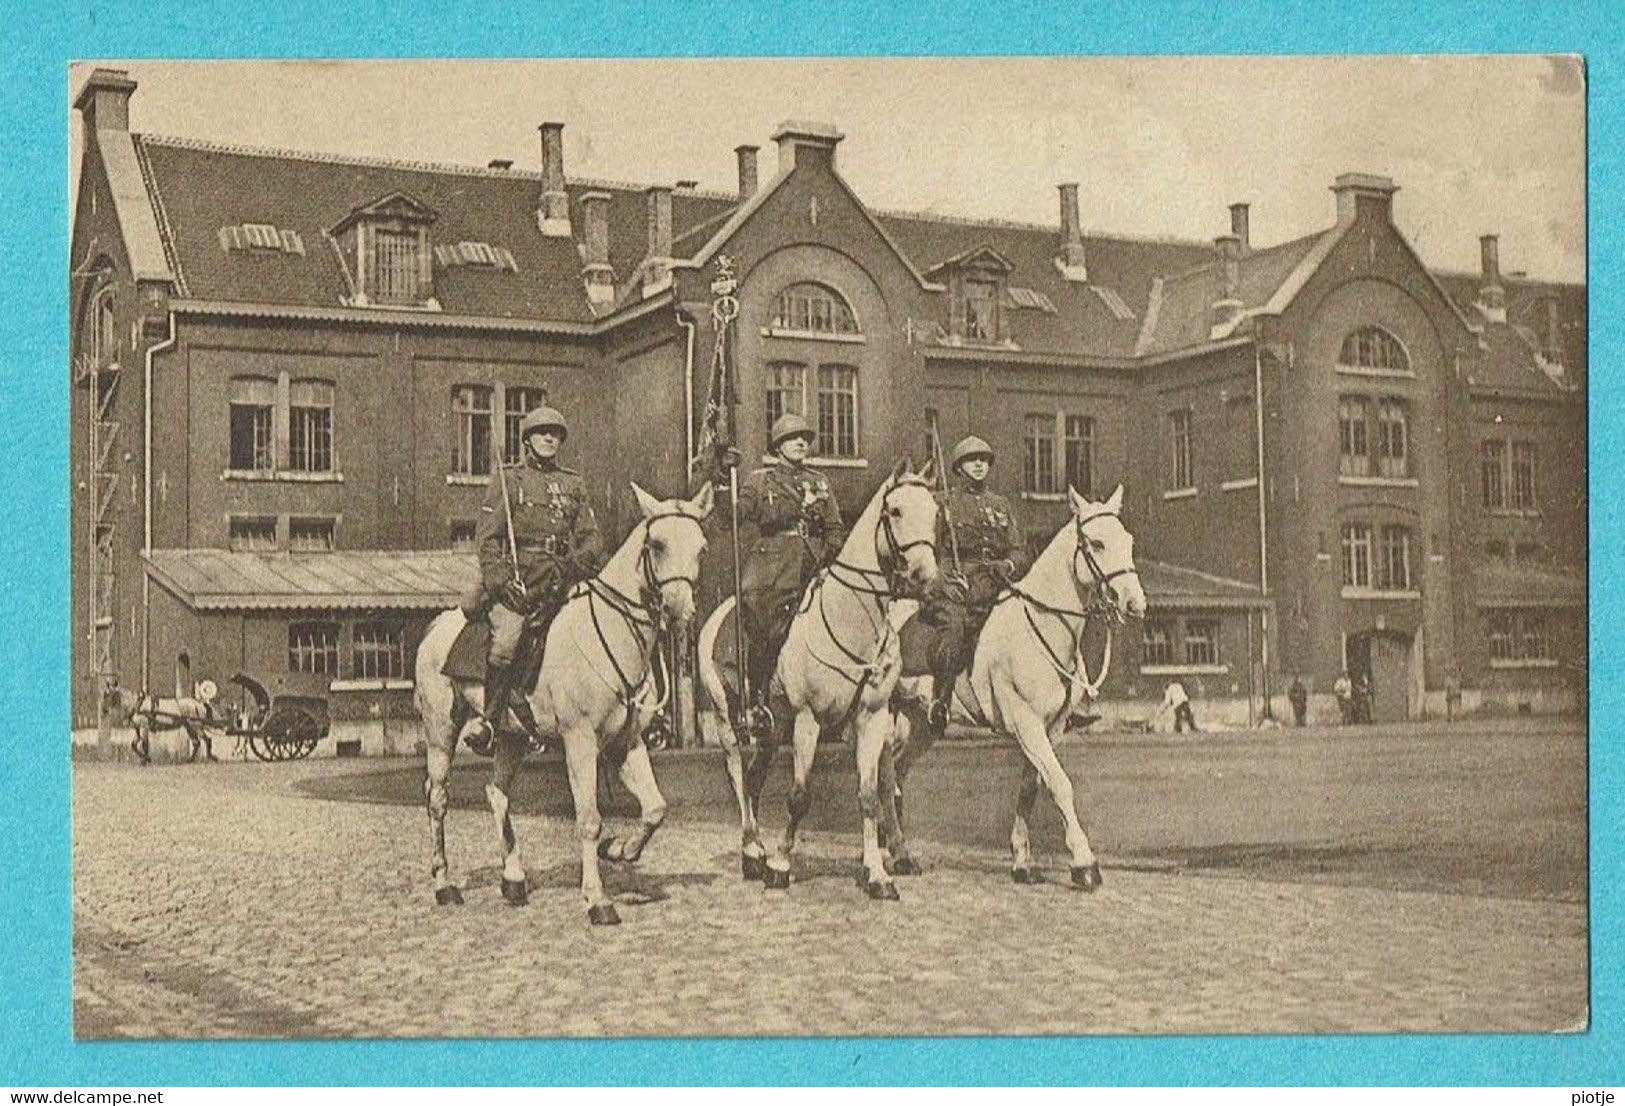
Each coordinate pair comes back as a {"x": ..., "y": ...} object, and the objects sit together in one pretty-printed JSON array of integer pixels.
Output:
[{"x": 481, "y": 740}]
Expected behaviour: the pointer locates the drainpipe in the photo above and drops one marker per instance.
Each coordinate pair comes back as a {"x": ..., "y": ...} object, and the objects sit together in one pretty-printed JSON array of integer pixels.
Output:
[
  {"x": 146, "y": 537},
  {"x": 688, "y": 395},
  {"x": 1263, "y": 523}
]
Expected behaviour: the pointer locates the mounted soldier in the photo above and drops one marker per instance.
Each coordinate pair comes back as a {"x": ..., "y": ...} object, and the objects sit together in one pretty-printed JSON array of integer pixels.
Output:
[
  {"x": 799, "y": 530},
  {"x": 537, "y": 538},
  {"x": 981, "y": 530}
]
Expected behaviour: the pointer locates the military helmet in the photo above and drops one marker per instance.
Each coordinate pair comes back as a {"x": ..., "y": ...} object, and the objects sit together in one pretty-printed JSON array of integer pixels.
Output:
[
  {"x": 543, "y": 418},
  {"x": 970, "y": 449},
  {"x": 790, "y": 426}
]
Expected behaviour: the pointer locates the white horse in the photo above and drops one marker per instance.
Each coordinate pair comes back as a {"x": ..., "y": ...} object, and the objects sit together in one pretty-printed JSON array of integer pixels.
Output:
[
  {"x": 595, "y": 689},
  {"x": 838, "y": 668},
  {"x": 1028, "y": 673}
]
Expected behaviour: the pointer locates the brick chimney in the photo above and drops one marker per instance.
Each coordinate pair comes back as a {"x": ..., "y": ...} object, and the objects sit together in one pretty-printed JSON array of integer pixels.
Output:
[
  {"x": 657, "y": 270},
  {"x": 1364, "y": 194},
  {"x": 1240, "y": 227},
  {"x": 806, "y": 143},
  {"x": 1069, "y": 258},
  {"x": 747, "y": 171},
  {"x": 1492, "y": 296},
  {"x": 553, "y": 209},
  {"x": 104, "y": 102},
  {"x": 596, "y": 272},
  {"x": 1227, "y": 308}
]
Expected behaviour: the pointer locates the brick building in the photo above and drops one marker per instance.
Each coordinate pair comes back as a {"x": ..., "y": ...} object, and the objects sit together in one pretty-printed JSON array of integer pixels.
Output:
[{"x": 291, "y": 372}]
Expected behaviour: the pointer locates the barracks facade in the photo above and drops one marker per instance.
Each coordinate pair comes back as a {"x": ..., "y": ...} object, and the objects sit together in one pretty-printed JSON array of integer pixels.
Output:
[{"x": 291, "y": 374}]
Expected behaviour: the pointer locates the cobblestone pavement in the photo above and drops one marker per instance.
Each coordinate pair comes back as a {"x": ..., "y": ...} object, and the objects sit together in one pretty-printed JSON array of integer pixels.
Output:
[{"x": 213, "y": 901}]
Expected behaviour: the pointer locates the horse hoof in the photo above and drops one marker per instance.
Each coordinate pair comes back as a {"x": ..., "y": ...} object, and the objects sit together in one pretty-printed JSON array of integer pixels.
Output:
[
  {"x": 1026, "y": 875},
  {"x": 603, "y": 915},
  {"x": 776, "y": 879},
  {"x": 515, "y": 891},
  {"x": 881, "y": 890},
  {"x": 1087, "y": 879},
  {"x": 753, "y": 868},
  {"x": 448, "y": 896},
  {"x": 905, "y": 866}
]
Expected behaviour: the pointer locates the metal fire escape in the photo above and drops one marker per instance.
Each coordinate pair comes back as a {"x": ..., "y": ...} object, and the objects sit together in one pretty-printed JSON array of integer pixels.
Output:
[{"x": 98, "y": 373}]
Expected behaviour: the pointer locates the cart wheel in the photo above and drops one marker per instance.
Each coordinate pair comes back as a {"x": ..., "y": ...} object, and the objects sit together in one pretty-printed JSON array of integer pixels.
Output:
[
  {"x": 291, "y": 733},
  {"x": 259, "y": 746}
]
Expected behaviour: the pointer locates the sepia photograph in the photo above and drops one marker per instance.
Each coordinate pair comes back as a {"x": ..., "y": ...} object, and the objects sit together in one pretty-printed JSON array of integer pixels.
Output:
[{"x": 828, "y": 547}]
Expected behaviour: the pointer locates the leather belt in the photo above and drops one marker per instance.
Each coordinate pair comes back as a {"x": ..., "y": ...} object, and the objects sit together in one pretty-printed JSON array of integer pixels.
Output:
[{"x": 549, "y": 545}]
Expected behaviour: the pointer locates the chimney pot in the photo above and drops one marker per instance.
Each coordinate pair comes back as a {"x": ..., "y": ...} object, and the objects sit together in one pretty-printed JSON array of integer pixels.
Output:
[
  {"x": 1070, "y": 257},
  {"x": 553, "y": 209},
  {"x": 1240, "y": 226},
  {"x": 747, "y": 171}
]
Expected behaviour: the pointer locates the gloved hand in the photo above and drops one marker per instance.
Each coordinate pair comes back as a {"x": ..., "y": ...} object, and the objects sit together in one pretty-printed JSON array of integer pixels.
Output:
[
  {"x": 514, "y": 594},
  {"x": 953, "y": 586},
  {"x": 1005, "y": 570},
  {"x": 726, "y": 462}
]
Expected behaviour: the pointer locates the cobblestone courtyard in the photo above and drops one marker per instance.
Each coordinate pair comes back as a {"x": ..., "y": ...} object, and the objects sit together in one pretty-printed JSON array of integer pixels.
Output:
[{"x": 215, "y": 901}]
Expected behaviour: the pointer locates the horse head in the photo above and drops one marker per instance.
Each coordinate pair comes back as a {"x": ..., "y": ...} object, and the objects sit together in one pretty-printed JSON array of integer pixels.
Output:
[
  {"x": 906, "y": 535},
  {"x": 1104, "y": 564},
  {"x": 673, "y": 540}
]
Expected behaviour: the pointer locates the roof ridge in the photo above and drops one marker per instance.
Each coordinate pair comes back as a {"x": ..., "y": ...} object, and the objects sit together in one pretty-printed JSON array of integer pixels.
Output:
[
  {"x": 1048, "y": 228},
  {"x": 327, "y": 158},
  {"x": 1506, "y": 278}
]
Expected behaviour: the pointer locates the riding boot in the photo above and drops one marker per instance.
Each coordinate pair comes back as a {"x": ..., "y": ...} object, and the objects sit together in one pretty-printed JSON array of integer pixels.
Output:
[{"x": 482, "y": 738}]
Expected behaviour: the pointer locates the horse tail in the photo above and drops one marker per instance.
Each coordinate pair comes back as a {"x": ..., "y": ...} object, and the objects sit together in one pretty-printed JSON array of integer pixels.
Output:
[{"x": 710, "y": 677}]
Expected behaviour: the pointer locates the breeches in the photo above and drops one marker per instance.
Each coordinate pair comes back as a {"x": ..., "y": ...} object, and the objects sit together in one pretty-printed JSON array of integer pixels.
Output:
[
  {"x": 766, "y": 615},
  {"x": 957, "y": 624},
  {"x": 506, "y": 626}
]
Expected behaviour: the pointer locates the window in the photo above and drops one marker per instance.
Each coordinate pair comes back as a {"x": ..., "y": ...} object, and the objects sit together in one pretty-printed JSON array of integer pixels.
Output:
[
  {"x": 378, "y": 651},
  {"x": 981, "y": 310},
  {"x": 1201, "y": 641},
  {"x": 1393, "y": 438},
  {"x": 310, "y": 426},
  {"x": 1523, "y": 476},
  {"x": 1354, "y": 453},
  {"x": 1079, "y": 456},
  {"x": 814, "y": 309},
  {"x": 1039, "y": 443},
  {"x": 252, "y": 535},
  {"x": 313, "y": 647},
  {"x": 253, "y": 401},
  {"x": 1374, "y": 349},
  {"x": 1518, "y": 636},
  {"x": 1156, "y": 643},
  {"x": 786, "y": 393},
  {"x": 394, "y": 266},
  {"x": 310, "y": 535},
  {"x": 471, "y": 430},
  {"x": 1491, "y": 467},
  {"x": 1356, "y": 555},
  {"x": 517, "y": 402},
  {"x": 1241, "y": 438},
  {"x": 1179, "y": 425},
  {"x": 1394, "y": 566},
  {"x": 838, "y": 410},
  {"x": 462, "y": 535}
]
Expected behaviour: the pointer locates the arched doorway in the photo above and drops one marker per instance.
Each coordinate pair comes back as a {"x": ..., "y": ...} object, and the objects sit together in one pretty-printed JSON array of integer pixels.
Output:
[{"x": 1379, "y": 661}]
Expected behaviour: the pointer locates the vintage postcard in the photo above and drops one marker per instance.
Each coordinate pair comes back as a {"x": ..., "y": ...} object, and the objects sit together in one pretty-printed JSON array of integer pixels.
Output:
[{"x": 829, "y": 547}]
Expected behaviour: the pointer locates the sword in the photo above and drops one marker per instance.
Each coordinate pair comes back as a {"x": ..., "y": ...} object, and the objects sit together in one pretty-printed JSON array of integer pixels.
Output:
[
  {"x": 507, "y": 510},
  {"x": 942, "y": 475}
]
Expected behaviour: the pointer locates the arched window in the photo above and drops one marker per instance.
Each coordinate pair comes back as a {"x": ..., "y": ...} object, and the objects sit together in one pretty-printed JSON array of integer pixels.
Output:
[
  {"x": 1372, "y": 347},
  {"x": 814, "y": 309}
]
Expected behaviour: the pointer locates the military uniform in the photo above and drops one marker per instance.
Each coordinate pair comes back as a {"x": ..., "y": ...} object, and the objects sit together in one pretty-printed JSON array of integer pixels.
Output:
[
  {"x": 982, "y": 527},
  {"x": 798, "y": 529},
  {"x": 556, "y": 537}
]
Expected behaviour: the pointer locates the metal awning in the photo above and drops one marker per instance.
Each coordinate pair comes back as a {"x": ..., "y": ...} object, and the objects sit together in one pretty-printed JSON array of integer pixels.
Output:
[
  {"x": 1175, "y": 587},
  {"x": 225, "y": 580}
]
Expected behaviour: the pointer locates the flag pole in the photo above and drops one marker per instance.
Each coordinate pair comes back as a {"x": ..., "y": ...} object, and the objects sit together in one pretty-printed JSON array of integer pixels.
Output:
[{"x": 724, "y": 309}]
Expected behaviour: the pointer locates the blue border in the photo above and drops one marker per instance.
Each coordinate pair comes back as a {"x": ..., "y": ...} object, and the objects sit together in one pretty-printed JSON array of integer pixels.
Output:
[{"x": 35, "y": 1008}]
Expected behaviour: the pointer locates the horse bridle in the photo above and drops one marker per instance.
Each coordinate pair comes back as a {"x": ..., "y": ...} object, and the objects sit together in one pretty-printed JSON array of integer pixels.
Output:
[{"x": 1101, "y": 605}]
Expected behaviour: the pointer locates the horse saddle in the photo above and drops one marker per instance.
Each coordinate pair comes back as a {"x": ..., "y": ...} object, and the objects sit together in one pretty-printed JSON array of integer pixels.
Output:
[{"x": 466, "y": 660}]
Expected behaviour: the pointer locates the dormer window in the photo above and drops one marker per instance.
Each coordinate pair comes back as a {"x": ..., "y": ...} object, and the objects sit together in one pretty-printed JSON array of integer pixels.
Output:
[
  {"x": 978, "y": 295},
  {"x": 385, "y": 246}
]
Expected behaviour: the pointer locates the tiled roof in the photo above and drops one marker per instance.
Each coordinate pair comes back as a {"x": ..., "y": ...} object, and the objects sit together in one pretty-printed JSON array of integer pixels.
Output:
[
  {"x": 1183, "y": 314},
  {"x": 1509, "y": 362},
  {"x": 218, "y": 579},
  {"x": 1501, "y": 584},
  {"x": 1179, "y": 588},
  {"x": 200, "y": 188},
  {"x": 1084, "y": 322}
]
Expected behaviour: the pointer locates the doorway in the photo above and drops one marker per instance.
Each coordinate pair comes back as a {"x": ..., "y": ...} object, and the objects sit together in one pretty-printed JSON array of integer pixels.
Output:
[{"x": 1380, "y": 667}]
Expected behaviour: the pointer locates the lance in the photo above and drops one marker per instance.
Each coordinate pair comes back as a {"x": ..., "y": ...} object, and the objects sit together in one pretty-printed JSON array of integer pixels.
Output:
[
  {"x": 942, "y": 474},
  {"x": 724, "y": 308}
]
